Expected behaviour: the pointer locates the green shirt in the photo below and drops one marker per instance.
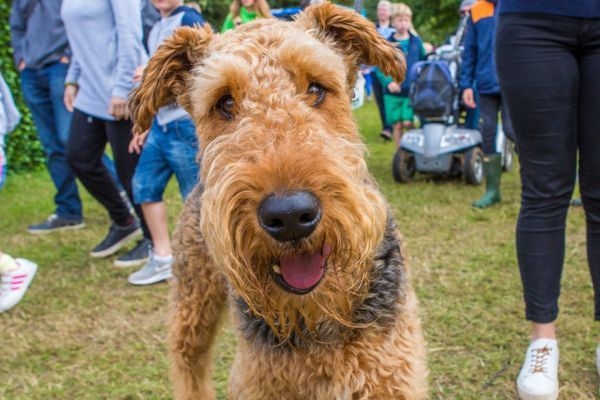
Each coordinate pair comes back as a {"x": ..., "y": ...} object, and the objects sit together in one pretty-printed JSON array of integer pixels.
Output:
[{"x": 245, "y": 16}]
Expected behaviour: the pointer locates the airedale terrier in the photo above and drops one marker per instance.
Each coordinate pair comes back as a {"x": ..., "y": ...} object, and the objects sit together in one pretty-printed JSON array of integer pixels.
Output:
[{"x": 287, "y": 225}]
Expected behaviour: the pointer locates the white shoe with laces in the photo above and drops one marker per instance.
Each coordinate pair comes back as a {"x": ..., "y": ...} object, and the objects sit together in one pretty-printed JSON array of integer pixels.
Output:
[{"x": 538, "y": 379}]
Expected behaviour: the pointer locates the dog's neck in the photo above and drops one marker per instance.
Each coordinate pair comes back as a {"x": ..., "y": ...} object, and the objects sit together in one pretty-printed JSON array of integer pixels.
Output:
[{"x": 379, "y": 308}]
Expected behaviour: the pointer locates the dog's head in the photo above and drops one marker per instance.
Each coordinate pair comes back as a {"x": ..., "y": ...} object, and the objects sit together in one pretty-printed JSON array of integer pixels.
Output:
[{"x": 289, "y": 209}]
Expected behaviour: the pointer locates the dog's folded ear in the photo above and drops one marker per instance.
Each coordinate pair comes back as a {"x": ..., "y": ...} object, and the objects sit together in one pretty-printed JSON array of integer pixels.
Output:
[
  {"x": 355, "y": 37},
  {"x": 165, "y": 78}
]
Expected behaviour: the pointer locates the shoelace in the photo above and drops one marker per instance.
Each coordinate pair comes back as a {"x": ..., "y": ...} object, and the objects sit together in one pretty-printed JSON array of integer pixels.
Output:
[{"x": 540, "y": 358}]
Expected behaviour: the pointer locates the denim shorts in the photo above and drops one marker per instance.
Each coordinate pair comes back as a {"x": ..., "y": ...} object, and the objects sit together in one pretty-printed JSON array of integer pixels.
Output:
[{"x": 169, "y": 149}]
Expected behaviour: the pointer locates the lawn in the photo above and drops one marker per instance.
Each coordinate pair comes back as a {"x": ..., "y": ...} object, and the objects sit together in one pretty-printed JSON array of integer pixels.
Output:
[{"x": 82, "y": 332}]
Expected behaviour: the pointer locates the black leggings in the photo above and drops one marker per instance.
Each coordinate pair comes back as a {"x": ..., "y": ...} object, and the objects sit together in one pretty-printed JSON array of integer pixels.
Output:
[
  {"x": 549, "y": 70},
  {"x": 87, "y": 143}
]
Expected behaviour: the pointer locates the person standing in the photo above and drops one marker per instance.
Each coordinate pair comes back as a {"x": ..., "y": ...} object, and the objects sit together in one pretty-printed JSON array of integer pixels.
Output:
[
  {"x": 169, "y": 147},
  {"x": 478, "y": 74},
  {"x": 398, "y": 111},
  {"x": 106, "y": 41},
  {"x": 41, "y": 54},
  {"x": 548, "y": 58},
  {"x": 385, "y": 29},
  {"x": 242, "y": 11}
]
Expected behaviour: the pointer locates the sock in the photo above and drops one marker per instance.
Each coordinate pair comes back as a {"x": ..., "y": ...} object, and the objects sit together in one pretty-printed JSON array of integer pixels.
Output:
[
  {"x": 7, "y": 263},
  {"x": 163, "y": 259}
]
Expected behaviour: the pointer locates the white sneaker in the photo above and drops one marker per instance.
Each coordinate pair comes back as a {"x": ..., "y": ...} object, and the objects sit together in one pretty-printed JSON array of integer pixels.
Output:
[
  {"x": 15, "y": 283},
  {"x": 538, "y": 379},
  {"x": 153, "y": 271}
]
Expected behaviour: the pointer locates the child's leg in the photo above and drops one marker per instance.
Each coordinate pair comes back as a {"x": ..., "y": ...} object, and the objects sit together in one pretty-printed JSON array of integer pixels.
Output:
[
  {"x": 151, "y": 177},
  {"x": 157, "y": 220},
  {"x": 397, "y": 133},
  {"x": 406, "y": 125}
]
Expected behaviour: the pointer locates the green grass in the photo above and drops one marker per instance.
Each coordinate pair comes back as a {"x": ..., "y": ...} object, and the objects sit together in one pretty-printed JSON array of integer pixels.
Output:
[{"x": 82, "y": 332}]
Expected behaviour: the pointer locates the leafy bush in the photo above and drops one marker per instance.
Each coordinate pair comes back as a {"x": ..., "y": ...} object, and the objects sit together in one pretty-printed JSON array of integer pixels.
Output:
[{"x": 24, "y": 150}]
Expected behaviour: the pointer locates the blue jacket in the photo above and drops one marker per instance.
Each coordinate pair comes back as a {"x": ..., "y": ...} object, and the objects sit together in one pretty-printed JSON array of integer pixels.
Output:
[
  {"x": 413, "y": 54},
  {"x": 478, "y": 66},
  {"x": 162, "y": 29}
]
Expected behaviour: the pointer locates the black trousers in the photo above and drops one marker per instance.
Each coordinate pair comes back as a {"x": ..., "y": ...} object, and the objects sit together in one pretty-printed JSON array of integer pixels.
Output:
[
  {"x": 87, "y": 143},
  {"x": 549, "y": 70},
  {"x": 489, "y": 106}
]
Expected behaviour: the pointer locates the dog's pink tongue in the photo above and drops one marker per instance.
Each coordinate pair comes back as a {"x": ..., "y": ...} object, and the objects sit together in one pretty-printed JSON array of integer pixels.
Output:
[{"x": 303, "y": 271}]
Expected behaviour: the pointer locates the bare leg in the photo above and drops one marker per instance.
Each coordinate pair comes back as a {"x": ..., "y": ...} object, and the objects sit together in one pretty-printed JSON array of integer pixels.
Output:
[
  {"x": 546, "y": 331},
  {"x": 158, "y": 225}
]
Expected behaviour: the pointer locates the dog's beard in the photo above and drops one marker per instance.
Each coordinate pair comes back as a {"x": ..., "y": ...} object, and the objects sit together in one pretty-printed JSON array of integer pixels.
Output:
[
  {"x": 346, "y": 280},
  {"x": 351, "y": 229}
]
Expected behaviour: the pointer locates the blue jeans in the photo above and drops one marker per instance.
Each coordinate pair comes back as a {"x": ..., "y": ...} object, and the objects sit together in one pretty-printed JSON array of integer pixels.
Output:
[
  {"x": 43, "y": 91},
  {"x": 169, "y": 149}
]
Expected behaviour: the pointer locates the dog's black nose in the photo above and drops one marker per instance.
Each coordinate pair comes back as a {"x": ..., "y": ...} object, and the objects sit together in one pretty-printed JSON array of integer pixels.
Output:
[{"x": 291, "y": 216}]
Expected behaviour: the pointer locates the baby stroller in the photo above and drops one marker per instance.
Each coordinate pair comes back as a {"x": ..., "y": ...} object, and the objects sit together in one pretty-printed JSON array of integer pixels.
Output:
[{"x": 442, "y": 146}]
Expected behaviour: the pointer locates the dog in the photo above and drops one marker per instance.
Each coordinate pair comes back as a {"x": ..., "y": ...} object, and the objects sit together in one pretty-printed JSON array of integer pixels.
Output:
[{"x": 286, "y": 229}]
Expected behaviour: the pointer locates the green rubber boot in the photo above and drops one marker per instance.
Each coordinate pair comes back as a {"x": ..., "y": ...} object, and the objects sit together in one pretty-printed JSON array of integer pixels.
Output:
[{"x": 492, "y": 169}]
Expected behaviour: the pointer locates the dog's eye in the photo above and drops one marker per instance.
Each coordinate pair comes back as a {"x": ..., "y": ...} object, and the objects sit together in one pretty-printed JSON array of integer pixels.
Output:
[
  {"x": 316, "y": 93},
  {"x": 225, "y": 105}
]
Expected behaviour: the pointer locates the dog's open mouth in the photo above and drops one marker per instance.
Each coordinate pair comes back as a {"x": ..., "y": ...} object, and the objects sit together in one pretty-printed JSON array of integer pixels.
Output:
[{"x": 301, "y": 273}]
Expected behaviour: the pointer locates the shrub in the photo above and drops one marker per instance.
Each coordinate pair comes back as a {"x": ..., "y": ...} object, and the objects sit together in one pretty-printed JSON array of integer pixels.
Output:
[{"x": 24, "y": 150}]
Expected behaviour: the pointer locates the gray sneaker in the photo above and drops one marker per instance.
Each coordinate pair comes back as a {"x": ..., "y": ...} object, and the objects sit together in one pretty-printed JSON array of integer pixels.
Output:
[
  {"x": 153, "y": 271},
  {"x": 135, "y": 257},
  {"x": 54, "y": 223}
]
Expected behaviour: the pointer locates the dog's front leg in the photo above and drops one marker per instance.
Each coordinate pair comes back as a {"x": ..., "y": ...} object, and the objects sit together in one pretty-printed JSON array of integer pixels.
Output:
[{"x": 198, "y": 298}]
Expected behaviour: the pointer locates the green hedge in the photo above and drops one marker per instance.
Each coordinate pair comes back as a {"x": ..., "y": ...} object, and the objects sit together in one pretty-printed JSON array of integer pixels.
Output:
[{"x": 24, "y": 150}]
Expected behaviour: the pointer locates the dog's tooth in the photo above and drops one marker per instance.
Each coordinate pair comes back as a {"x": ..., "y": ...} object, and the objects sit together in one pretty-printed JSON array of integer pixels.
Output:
[{"x": 276, "y": 269}]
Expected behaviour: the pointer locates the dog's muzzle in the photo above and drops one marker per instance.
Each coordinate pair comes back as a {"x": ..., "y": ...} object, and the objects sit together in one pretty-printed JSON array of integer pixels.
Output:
[{"x": 290, "y": 217}]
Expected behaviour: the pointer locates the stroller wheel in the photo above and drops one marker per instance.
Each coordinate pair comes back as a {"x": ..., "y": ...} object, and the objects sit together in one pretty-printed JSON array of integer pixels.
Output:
[
  {"x": 403, "y": 166},
  {"x": 473, "y": 166}
]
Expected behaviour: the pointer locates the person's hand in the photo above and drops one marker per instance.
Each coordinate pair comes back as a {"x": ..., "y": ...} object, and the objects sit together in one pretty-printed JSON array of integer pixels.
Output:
[
  {"x": 394, "y": 87},
  {"x": 21, "y": 65},
  {"x": 468, "y": 98},
  {"x": 69, "y": 96},
  {"x": 64, "y": 60},
  {"x": 137, "y": 74},
  {"x": 118, "y": 108},
  {"x": 137, "y": 142}
]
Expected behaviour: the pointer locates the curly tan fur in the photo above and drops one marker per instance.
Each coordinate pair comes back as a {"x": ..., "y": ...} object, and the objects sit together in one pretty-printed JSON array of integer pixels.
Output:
[{"x": 265, "y": 130}]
